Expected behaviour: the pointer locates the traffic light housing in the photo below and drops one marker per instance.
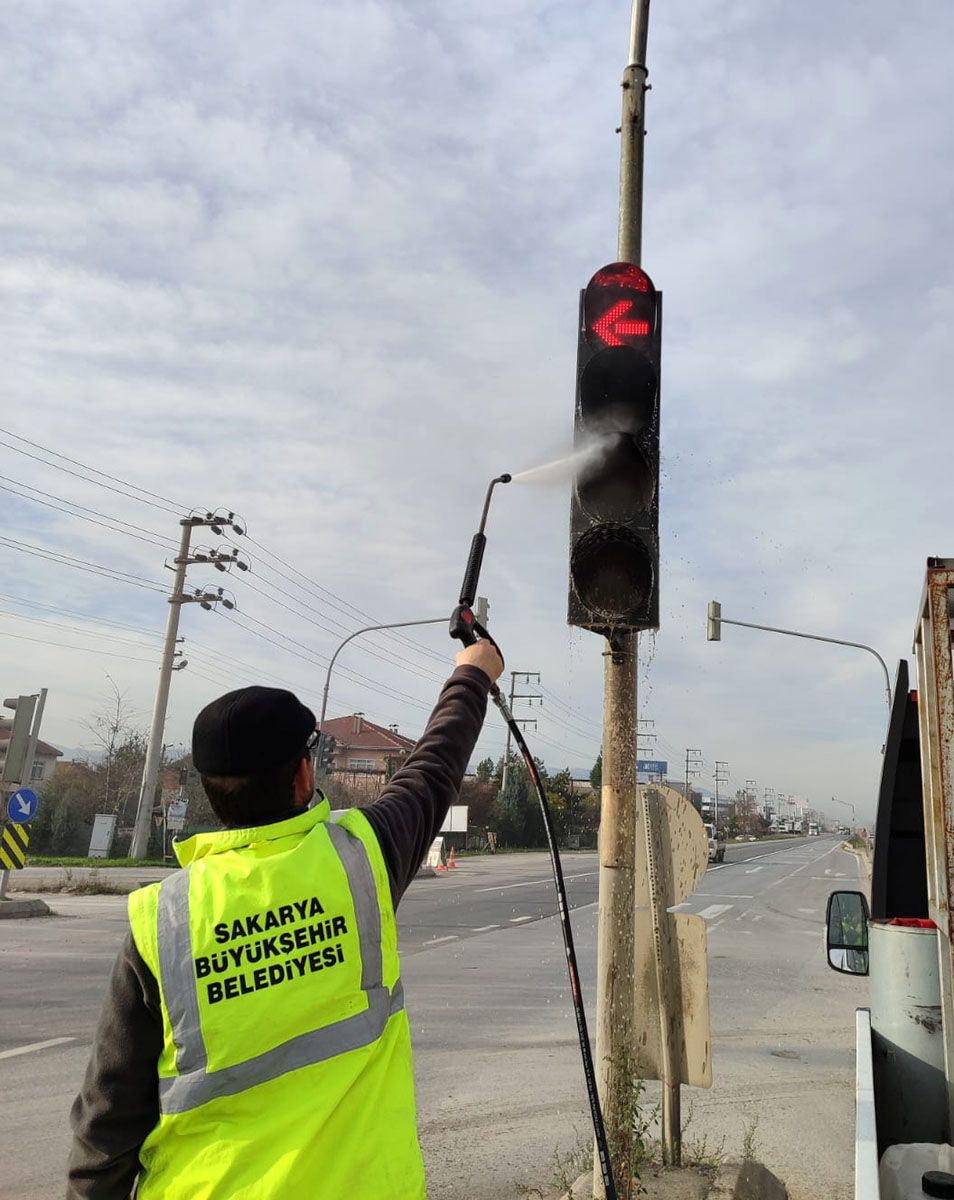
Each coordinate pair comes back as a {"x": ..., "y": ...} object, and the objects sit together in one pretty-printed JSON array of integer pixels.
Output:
[
  {"x": 326, "y": 754},
  {"x": 614, "y": 514}
]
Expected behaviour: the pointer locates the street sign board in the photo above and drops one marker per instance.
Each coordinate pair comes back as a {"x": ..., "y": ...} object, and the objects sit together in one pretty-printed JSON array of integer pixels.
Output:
[
  {"x": 176, "y": 815},
  {"x": 22, "y": 806},
  {"x": 652, "y": 768},
  {"x": 13, "y": 847},
  {"x": 456, "y": 819}
]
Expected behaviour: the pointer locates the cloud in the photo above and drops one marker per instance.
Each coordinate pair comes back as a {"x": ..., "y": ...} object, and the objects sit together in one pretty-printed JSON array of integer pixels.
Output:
[{"x": 320, "y": 263}]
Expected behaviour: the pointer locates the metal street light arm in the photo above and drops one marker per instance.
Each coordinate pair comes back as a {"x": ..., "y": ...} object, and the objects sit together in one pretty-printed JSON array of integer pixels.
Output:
[
  {"x": 817, "y": 637},
  {"x": 350, "y": 638}
]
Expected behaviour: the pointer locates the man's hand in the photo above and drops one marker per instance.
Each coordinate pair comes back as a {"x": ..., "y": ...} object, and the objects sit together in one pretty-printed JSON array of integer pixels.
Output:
[{"x": 484, "y": 656}]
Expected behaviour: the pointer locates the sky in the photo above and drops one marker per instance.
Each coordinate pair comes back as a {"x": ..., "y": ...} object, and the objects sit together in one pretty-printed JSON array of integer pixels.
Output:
[{"x": 319, "y": 264}]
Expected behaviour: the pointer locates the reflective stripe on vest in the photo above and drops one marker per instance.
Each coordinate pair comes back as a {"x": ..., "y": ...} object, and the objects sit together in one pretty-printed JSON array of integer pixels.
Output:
[{"x": 194, "y": 1084}]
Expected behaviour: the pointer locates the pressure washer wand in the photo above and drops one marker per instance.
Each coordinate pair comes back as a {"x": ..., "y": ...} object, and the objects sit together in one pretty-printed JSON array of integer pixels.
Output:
[
  {"x": 463, "y": 623},
  {"x": 466, "y": 628}
]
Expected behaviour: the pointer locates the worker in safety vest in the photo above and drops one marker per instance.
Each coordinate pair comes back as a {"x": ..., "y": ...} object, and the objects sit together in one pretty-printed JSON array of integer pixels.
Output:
[{"x": 254, "y": 1041}]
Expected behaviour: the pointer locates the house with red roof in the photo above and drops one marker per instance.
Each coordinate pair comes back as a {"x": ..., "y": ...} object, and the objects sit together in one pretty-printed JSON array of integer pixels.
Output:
[{"x": 364, "y": 748}]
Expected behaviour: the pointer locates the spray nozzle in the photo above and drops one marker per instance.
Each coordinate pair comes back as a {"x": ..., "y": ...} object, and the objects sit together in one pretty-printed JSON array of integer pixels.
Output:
[{"x": 468, "y": 591}]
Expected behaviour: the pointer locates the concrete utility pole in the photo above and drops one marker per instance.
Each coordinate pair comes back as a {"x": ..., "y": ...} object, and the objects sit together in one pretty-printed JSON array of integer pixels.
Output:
[
  {"x": 616, "y": 1049},
  {"x": 693, "y": 764},
  {"x": 208, "y": 599},
  {"x": 721, "y": 776},
  {"x": 525, "y": 677}
]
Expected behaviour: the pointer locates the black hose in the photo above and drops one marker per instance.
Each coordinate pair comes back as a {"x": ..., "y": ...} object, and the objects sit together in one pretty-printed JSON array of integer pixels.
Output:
[{"x": 589, "y": 1073}]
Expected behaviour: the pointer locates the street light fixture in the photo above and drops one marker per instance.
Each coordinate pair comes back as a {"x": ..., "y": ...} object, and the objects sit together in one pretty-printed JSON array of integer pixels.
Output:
[{"x": 715, "y": 620}]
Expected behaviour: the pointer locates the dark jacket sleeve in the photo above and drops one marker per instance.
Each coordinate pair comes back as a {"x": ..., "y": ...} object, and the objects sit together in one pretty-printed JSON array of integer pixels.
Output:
[
  {"x": 410, "y": 811},
  {"x": 119, "y": 1101}
]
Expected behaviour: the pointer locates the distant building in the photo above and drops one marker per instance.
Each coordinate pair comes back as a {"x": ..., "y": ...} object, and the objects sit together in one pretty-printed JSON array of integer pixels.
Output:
[
  {"x": 44, "y": 760},
  {"x": 364, "y": 748}
]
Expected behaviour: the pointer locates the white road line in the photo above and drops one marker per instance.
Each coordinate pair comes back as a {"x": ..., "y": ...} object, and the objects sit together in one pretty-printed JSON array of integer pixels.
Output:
[
  {"x": 713, "y": 911},
  {"x": 723, "y": 896},
  {"x": 35, "y": 1046},
  {"x": 484, "y": 928},
  {"x": 812, "y": 911},
  {"x": 451, "y": 937},
  {"x": 752, "y": 870},
  {"x": 757, "y": 917},
  {"x": 530, "y": 882},
  {"x": 517, "y": 920}
]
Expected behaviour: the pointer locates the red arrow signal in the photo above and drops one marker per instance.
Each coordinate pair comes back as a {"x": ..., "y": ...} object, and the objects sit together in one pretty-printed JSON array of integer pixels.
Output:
[{"x": 611, "y": 328}]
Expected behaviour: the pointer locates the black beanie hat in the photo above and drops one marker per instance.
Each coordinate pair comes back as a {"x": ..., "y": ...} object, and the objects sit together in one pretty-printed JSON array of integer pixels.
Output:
[{"x": 250, "y": 731}]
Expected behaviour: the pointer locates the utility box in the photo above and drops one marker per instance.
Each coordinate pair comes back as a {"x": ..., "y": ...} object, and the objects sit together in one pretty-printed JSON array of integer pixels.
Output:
[{"x": 101, "y": 839}]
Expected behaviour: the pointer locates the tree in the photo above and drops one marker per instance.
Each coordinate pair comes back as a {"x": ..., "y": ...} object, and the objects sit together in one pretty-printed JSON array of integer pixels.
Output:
[
  {"x": 485, "y": 770},
  {"x": 111, "y": 729},
  {"x": 596, "y": 775},
  {"x": 517, "y": 818},
  {"x": 480, "y": 797}
]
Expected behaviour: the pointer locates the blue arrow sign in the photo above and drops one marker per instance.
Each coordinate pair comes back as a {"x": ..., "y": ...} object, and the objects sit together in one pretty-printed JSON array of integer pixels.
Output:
[{"x": 22, "y": 806}]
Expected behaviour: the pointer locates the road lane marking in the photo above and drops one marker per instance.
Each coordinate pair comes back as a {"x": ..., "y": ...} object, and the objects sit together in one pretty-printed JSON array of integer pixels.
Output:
[
  {"x": 484, "y": 928},
  {"x": 531, "y": 882},
  {"x": 757, "y": 917},
  {"x": 451, "y": 937},
  {"x": 724, "y": 896},
  {"x": 752, "y": 870},
  {"x": 812, "y": 911},
  {"x": 35, "y": 1046},
  {"x": 713, "y": 911},
  {"x": 517, "y": 920}
]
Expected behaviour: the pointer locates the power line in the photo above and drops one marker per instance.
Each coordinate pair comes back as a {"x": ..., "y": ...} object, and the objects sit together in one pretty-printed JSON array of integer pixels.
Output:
[
  {"x": 69, "y": 612},
  {"x": 81, "y": 564},
  {"x": 295, "y": 645},
  {"x": 115, "y": 523},
  {"x": 66, "y": 646},
  {"x": 172, "y": 506},
  {"x": 349, "y": 609},
  {"x": 73, "y": 629},
  {"x": 422, "y": 673}
]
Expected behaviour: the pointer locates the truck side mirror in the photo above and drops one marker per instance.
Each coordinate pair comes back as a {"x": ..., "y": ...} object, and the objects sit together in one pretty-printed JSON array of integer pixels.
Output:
[{"x": 847, "y": 933}]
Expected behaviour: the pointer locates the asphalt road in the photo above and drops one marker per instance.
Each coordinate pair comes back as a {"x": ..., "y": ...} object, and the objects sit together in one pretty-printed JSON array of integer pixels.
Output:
[{"x": 498, "y": 1074}]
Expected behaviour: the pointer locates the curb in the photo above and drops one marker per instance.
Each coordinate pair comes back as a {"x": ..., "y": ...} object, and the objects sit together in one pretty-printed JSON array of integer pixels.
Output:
[
  {"x": 734, "y": 1181},
  {"x": 24, "y": 908}
]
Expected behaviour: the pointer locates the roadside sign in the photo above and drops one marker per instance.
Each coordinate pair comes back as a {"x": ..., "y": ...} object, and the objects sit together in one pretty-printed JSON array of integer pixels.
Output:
[
  {"x": 652, "y": 766},
  {"x": 22, "y": 806},
  {"x": 13, "y": 847},
  {"x": 176, "y": 815}
]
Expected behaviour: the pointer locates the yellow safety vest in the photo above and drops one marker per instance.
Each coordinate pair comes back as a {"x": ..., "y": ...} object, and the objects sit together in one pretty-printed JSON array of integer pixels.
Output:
[{"x": 285, "y": 1068}]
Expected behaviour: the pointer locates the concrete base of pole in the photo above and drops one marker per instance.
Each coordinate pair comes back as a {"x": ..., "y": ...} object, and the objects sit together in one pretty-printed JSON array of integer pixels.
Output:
[
  {"x": 733, "y": 1181},
  {"x": 24, "y": 908}
]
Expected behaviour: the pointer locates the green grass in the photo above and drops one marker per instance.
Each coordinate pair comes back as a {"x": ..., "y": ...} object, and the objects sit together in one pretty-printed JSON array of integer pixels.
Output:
[{"x": 42, "y": 860}]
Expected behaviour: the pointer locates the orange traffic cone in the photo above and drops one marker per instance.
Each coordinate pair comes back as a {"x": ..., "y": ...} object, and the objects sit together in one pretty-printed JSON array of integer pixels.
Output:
[
  {"x": 440, "y": 868},
  {"x": 452, "y": 861}
]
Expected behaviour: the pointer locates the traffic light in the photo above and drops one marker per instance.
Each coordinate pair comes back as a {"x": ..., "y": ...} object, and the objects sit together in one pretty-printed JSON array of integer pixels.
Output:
[
  {"x": 614, "y": 515},
  {"x": 326, "y": 754},
  {"x": 14, "y": 766},
  {"x": 714, "y": 622}
]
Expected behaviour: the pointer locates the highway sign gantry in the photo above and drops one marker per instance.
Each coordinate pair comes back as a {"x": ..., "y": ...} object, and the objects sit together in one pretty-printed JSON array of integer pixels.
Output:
[
  {"x": 22, "y": 806},
  {"x": 13, "y": 846}
]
